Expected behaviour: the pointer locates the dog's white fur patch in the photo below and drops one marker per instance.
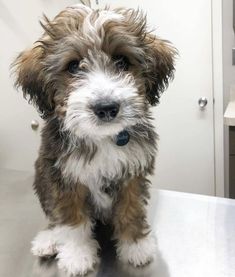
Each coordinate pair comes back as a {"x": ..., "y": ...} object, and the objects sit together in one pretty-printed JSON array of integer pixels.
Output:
[
  {"x": 75, "y": 248},
  {"x": 44, "y": 244},
  {"x": 108, "y": 163},
  {"x": 98, "y": 87},
  {"x": 78, "y": 258},
  {"x": 137, "y": 253},
  {"x": 93, "y": 28}
]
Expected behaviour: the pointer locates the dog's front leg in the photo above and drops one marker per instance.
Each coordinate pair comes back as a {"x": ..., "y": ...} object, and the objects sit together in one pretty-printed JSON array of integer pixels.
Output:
[
  {"x": 77, "y": 250},
  {"x": 135, "y": 243},
  {"x": 70, "y": 234}
]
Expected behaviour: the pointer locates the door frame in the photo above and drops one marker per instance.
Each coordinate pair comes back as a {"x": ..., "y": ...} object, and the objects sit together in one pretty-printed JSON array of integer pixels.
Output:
[{"x": 217, "y": 69}]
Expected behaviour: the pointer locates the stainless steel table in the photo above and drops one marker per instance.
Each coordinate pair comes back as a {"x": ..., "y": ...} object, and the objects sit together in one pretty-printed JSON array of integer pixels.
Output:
[{"x": 196, "y": 235}]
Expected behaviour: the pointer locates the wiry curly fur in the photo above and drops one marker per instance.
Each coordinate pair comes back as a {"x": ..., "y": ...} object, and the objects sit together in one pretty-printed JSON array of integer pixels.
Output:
[{"x": 81, "y": 174}]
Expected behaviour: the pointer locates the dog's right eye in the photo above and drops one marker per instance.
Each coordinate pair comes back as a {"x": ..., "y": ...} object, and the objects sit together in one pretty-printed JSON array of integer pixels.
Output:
[
  {"x": 73, "y": 67},
  {"x": 121, "y": 62}
]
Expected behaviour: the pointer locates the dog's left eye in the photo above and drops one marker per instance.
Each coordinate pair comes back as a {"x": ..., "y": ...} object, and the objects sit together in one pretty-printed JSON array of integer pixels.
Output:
[
  {"x": 121, "y": 62},
  {"x": 73, "y": 67}
]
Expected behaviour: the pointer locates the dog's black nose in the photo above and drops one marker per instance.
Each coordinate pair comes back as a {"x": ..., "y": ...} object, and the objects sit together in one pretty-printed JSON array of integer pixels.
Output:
[{"x": 106, "y": 111}]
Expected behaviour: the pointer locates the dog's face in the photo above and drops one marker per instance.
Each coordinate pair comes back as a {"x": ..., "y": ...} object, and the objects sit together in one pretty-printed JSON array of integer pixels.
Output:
[{"x": 97, "y": 71}]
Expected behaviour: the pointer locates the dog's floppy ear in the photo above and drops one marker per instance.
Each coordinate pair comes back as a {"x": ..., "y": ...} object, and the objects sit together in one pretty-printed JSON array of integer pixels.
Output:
[
  {"x": 160, "y": 56},
  {"x": 29, "y": 71}
]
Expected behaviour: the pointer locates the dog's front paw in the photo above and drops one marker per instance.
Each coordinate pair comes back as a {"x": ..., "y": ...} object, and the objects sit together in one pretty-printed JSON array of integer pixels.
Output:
[
  {"x": 78, "y": 259},
  {"x": 44, "y": 244},
  {"x": 138, "y": 253}
]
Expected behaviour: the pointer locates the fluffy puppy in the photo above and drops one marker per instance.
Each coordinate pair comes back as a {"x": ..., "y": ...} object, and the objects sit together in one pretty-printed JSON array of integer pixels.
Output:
[{"x": 93, "y": 76}]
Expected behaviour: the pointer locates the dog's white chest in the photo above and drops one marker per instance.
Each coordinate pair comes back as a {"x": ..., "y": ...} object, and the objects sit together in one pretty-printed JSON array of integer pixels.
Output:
[{"x": 109, "y": 163}]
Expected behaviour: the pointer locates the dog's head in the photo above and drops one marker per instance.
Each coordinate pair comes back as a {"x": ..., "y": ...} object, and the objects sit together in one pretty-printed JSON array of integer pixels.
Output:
[{"x": 97, "y": 70}]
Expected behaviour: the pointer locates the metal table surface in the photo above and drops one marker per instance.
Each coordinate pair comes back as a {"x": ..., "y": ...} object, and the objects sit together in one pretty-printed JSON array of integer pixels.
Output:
[{"x": 195, "y": 234}]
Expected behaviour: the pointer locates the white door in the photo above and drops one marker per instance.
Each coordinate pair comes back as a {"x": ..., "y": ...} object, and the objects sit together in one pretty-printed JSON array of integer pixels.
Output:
[
  {"x": 186, "y": 151},
  {"x": 186, "y": 148}
]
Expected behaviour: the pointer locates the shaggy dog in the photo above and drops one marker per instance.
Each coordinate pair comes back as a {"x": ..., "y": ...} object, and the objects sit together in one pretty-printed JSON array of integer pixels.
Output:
[{"x": 93, "y": 76}]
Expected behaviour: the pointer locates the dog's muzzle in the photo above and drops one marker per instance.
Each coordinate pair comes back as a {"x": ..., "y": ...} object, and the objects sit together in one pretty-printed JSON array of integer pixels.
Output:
[{"x": 106, "y": 111}]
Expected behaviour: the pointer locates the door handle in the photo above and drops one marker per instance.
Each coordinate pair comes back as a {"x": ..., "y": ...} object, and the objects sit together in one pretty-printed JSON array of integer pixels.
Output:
[
  {"x": 202, "y": 102},
  {"x": 34, "y": 124}
]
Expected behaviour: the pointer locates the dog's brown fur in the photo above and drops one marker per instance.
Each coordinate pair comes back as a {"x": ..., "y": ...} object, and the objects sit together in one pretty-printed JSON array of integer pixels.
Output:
[{"x": 130, "y": 215}]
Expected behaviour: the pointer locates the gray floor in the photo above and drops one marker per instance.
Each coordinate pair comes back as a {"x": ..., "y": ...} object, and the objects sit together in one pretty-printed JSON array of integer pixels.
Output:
[
  {"x": 20, "y": 218},
  {"x": 195, "y": 234}
]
